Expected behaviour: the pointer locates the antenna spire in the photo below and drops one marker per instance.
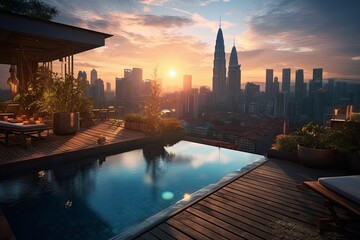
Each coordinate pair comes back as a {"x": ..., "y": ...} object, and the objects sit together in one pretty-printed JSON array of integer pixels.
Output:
[
  {"x": 234, "y": 41},
  {"x": 220, "y": 22}
]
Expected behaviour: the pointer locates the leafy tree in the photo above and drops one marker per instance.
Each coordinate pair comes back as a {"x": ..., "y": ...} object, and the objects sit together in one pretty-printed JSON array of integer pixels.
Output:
[
  {"x": 31, "y": 8},
  {"x": 152, "y": 108}
]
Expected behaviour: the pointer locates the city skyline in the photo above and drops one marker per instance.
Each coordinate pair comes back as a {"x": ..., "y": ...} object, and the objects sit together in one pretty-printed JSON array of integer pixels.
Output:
[{"x": 180, "y": 36}]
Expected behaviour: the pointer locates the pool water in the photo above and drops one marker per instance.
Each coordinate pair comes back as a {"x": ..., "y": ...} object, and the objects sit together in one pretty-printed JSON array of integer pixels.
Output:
[{"x": 101, "y": 197}]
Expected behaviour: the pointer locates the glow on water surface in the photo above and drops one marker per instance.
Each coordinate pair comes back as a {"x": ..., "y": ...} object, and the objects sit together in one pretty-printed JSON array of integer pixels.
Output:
[{"x": 101, "y": 197}]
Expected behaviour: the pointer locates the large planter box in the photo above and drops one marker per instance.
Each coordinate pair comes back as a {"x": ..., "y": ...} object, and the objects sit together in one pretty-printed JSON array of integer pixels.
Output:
[
  {"x": 316, "y": 158},
  {"x": 66, "y": 123},
  {"x": 282, "y": 155}
]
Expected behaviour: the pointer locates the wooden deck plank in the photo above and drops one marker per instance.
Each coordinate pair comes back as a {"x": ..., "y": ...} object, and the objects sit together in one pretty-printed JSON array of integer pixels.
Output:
[
  {"x": 185, "y": 229},
  {"x": 173, "y": 231},
  {"x": 55, "y": 144},
  {"x": 263, "y": 204},
  {"x": 207, "y": 214},
  {"x": 198, "y": 225}
]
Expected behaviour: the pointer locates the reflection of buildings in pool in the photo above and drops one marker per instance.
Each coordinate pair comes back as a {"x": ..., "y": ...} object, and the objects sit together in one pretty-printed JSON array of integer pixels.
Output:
[{"x": 30, "y": 201}]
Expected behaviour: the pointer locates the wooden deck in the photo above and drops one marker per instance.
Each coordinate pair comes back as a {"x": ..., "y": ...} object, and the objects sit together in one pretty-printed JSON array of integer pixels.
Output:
[
  {"x": 263, "y": 204},
  {"x": 56, "y": 145}
]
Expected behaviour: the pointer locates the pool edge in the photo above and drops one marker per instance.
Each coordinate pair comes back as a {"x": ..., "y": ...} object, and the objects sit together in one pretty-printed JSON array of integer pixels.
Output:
[{"x": 149, "y": 223}]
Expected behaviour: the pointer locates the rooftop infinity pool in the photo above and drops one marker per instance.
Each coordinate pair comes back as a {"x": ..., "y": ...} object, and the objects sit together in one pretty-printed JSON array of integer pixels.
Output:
[{"x": 100, "y": 198}]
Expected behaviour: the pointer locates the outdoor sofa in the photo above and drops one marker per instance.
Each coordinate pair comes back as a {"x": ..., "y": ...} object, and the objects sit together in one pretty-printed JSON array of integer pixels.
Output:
[
  {"x": 9, "y": 128},
  {"x": 344, "y": 192}
]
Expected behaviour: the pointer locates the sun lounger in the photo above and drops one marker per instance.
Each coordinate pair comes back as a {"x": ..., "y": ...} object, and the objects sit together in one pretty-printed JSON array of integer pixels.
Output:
[
  {"x": 8, "y": 129},
  {"x": 339, "y": 191}
]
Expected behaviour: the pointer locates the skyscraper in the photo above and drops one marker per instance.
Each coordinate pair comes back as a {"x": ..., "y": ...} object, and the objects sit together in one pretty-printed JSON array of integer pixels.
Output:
[
  {"x": 317, "y": 78},
  {"x": 269, "y": 82},
  {"x": 219, "y": 72},
  {"x": 285, "y": 84},
  {"x": 234, "y": 77},
  {"x": 108, "y": 87},
  {"x": 276, "y": 86},
  {"x": 93, "y": 76},
  {"x": 82, "y": 75},
  {"x": 137, "y": 83},
  {"x": 187, "y": 83},
  {"x": 299, "y": 85}
]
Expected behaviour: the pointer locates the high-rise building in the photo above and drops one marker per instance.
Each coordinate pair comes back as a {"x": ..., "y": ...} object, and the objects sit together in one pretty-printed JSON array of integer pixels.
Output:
[
  {"x": 285, "y": 84},
  {"x": 281, "y": 108},
  {"x": 269, "y": 82},
  {"x": 82, "y": 75},
  {"x": 234, "y": 79},
  {"x": 219, "y": 72},
  {"x": 250, "y": 90},
  {"x": 317, "y": 78},
  {"x": 93, "y": 76},
  {"x": 187, "y": 81},
  {"x": 108, "y": 87},
  {"x": 122, "y": 91},
  {"x": 137, "y": 83},
  {"x": 276, "y": 85},
  {"x": 299, "y": 85},
  {"x": 97, "y": 92},
  {"x": 127, "y": 73}
]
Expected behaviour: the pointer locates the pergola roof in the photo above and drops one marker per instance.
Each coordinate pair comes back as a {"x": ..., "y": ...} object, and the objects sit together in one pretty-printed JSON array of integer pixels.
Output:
[{"x": 43, "y": 41}]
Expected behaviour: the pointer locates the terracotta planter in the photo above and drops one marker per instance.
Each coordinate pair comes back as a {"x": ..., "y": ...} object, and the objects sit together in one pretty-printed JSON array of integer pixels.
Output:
[
  {"x": 283, "y": 155},
  {"x": 316, "y": 158},
  {"x": 66, "y": 123}
]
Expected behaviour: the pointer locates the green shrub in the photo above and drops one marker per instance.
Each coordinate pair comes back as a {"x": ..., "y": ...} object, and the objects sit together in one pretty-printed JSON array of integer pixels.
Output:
[
  {"x": 171, "y": 125},
  {"x": 286, "y": 143},
  {"x": 134, "y": 117}
]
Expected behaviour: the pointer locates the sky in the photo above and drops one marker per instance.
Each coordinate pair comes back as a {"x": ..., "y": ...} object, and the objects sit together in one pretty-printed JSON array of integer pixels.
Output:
[{"x": 179, "y": 36}]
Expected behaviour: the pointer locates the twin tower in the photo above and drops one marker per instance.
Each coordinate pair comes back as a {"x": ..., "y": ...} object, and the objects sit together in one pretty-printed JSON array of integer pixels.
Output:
[{"x": 226, "y": 91}]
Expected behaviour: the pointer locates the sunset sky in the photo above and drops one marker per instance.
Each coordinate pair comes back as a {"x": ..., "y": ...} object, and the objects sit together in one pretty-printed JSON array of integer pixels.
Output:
[{"x": 179, "y": 36}]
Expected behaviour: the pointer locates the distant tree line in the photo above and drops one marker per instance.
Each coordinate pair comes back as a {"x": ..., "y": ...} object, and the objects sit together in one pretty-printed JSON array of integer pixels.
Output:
[{"x": 31, "y": 8}]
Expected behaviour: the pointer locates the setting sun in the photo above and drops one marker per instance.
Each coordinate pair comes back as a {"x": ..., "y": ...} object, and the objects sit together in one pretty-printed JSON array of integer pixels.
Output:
[{"x": 172, "y": 73}]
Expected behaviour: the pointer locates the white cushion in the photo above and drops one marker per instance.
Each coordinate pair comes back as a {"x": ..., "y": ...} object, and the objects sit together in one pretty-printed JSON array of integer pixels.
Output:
[{"x": 346, "y": 186}]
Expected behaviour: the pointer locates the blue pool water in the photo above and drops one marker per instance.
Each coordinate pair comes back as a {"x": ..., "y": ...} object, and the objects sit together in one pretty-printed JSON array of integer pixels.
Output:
[{"x": 101, "y": 197}]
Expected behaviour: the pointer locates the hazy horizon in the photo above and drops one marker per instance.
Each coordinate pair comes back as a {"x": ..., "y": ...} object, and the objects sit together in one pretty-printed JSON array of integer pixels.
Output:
[{"x": 180, "y": 36}]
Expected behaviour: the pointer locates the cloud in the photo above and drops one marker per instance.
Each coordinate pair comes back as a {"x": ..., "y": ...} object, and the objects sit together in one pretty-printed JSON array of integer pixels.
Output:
[
  {"x": 311, "y": 24},
  {"x": 153, "y": 2},
  {"x": 161, "y": 21},
  {"x": 313, "y": 32}
]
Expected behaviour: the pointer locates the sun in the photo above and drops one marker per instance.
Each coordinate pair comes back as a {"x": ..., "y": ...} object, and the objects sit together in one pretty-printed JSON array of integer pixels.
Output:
[{"x": 172, "y": 73}]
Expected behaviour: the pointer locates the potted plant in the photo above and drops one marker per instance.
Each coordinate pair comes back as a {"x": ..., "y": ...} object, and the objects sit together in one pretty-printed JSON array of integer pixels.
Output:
[
  {"x": 284, "y": 147},
  {"x": 348, "y": 142},
  {"x": 316, "y": 147},
  {"x": 65, "y": 99}
]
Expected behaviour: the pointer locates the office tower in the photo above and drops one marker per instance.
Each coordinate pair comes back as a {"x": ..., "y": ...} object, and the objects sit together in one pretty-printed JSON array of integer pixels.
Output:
[
  {"x": 127, "y": 73},
  {"x": 93, "y": 76},
  {"x": 285, "y": 84},
  {"x": 281, "y": 108},
  {"x": 137, "y": 83},
  {"x": 299, "y": 85},
  {"x": 108, "y": 87},
  {"x": 250, "y": 90},
  {"x": 317, "y": 78},
  {"x": 122, "y": 90},
  {"x": 204, "y": 98},
  {"x": 187, "y": 79},
  {"x": 191, "y": 104},
  {"x": 269, "y": 82},
  {"x": 219, "y": 72},
  {"x": 97, "y": 93},
  {"x": 234, "y": 79},
  {"x": 276, "y": 85},
  {"x": 82, "y": 75}
]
